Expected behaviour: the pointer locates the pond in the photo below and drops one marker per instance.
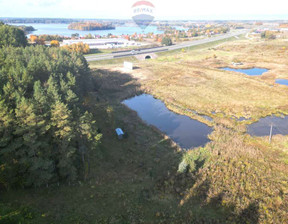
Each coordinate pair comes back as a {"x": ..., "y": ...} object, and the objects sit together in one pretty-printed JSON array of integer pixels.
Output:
[
  {"x": 262, "y": 127},
  {"x": 248, "y": 71},
  {"x": 186, "y": 132},
  {"x": 282, "y": 81}
]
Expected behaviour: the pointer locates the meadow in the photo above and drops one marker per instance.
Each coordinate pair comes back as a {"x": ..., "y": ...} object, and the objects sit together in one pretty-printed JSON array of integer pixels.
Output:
[{"x": 146, "y": 178}]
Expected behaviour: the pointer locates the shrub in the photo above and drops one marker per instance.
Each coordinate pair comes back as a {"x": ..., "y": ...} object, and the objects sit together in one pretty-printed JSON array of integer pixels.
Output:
[{"x": 166, "y": 41}]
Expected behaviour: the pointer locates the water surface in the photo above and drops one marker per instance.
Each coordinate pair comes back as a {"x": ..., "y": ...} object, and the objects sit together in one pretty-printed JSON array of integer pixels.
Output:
[
  {"x": 186, "y": 132},
  {"x": 282, "y": 81},
  {"x": 249, "y": 71},
  {"x": 62, "y": 30},
  {"x": 262, "y": 127}
]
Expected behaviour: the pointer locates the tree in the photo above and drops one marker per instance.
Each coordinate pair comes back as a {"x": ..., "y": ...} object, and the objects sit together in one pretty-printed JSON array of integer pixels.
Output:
[
  {"x": 12, "y": 36},
  {"x": 33, "y": 38},
  {"x": 54, "y": 43},
  {"x": 43, "y": 128},
  {"x": 40, "y": 98},
  {"x": 7, "y": 170},
  {"x": 79, "y": 48},
  {"x": 75, "y": 35},
  {"x": 62, "y": 129},
  {"x": 166, "y": 41},
  {"x": 268, "y": 35},
  {"x": 33, "y": 152},
  {"x": 88, "y": 139}
]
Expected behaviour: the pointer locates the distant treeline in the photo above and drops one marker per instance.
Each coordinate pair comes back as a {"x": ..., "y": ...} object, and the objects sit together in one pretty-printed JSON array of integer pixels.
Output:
[
  {"x": 59, "y": 20},
  {"x": 48, "y": 37},
  {"x": 27, "y": 29},
  {"x": 36, "y": 20},
  {"x": 90, "y": 26}
]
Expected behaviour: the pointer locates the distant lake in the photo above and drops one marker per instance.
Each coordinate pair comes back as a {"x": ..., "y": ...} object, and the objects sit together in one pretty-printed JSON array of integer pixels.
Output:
[
  {"x": 249, "y": 71},
  {"x": 186, "y": 132},
  {"x": 62, "y": 30},
  {"x": 282, "y": 81}
]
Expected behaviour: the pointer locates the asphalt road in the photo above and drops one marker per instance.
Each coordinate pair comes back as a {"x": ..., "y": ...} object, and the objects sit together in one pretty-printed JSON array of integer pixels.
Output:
[{"x": 168, "y": 48}]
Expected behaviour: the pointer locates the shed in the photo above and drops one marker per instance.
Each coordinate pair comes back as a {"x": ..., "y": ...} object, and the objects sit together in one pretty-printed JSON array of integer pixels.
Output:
[{"x": 119, "y": 133}]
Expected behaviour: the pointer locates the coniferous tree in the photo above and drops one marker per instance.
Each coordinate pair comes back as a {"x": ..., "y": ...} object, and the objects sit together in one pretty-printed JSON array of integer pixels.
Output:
[
  {"x": 7, "y": 168},
  {"x": 12, "y": 36},
  {"x": 44, "y": 133},
  {"x": 62, "y": 129},
  {"x": 34, "y": 152}
]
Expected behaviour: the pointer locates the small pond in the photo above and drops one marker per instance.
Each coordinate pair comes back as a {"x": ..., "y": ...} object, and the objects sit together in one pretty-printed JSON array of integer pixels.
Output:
[
  {"x": 262, "y": 127},
  {"x": 249, "y": 71},
  {"x": 186, "y": 132},
  {"x": 282, "y": 81}
]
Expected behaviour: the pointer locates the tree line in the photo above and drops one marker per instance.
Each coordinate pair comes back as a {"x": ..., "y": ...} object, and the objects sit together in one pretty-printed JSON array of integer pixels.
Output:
[
  {"x": 90, "y": 26},
  {"x": 46, "y": 134}
]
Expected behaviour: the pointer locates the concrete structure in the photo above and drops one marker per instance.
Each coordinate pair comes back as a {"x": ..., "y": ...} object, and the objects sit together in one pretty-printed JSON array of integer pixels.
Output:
[
  {"x": 128, "y": 65},
  {"x": 103, "y": 43},
  {"x": 146, "y": 56}
]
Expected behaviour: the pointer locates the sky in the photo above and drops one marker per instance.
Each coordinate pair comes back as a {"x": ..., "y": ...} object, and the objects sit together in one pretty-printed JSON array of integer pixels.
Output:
[{"x": 164, "y": 9}]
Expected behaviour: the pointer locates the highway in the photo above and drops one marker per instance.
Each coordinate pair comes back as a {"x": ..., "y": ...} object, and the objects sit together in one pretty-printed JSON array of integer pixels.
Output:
[{"x": 168, "y": 48}]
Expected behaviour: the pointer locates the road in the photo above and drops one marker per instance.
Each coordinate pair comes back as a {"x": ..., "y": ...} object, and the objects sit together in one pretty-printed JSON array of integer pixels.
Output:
[{"x": 168, "y": 48}]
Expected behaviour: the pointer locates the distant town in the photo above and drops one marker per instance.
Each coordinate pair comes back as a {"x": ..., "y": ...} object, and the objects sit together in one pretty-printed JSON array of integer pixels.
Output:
[{"x": 176, "y": 31}]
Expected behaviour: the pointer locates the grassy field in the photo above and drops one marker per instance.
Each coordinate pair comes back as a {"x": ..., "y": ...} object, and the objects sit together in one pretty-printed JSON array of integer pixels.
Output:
[{"x": 146, "y": 178}]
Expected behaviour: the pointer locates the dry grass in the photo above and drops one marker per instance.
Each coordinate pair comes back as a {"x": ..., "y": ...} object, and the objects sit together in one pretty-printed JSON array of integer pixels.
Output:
[
  {"x": 192, "y": 79},
  {"x": 240, "y": 173},
  {"x": 243, "y": 178}
]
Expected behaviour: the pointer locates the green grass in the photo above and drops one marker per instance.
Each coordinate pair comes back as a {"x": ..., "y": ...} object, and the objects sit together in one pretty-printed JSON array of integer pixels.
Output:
[
  {"x": 116, "y": 61},
  {"x": 99, "y": 52}
]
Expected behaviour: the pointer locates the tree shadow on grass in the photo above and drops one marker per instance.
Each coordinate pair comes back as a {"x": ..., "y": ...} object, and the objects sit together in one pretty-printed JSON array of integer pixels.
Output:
[
  {"x": 214, "y": 211},
  {"x": 115, "y": 85}
]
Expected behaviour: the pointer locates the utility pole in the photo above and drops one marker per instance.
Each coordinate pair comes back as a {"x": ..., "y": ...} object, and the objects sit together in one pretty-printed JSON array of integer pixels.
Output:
[{"x": 271, "y": 130}]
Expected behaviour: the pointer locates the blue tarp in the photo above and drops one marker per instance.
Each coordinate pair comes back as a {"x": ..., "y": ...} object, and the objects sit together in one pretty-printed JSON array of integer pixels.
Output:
[{"x": 119, "y": 131}]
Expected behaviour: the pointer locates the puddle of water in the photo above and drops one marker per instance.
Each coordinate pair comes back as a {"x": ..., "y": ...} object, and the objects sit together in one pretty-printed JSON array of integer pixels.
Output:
[
  {"x": 186, "y": 132},
  {"x": 262, "y": 127},
  {"x": 282, "y": 81},
  {"x": 207, "y": 118},
  {"x": 240, "y": 118},
  {"x": 250, "y": 71}
]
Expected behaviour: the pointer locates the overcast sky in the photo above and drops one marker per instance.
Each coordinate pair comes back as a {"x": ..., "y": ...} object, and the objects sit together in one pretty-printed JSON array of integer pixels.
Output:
[{"x": 165, "y": 9}]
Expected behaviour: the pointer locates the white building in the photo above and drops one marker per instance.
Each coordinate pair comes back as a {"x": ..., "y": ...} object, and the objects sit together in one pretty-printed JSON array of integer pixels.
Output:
[{"x": 103, "y": 43}]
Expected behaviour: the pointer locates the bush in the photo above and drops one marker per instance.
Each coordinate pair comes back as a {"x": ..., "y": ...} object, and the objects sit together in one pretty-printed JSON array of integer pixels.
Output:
[
  {"x": 193, "y": 160},
  {"x": 54, "y": 43},
  {"x": 10, "y": 215},
  {"x": 166, "y": 41}
]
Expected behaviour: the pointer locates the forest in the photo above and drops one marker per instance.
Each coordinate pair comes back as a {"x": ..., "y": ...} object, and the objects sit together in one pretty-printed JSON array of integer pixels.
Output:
[{"x": 46, "y": 134}]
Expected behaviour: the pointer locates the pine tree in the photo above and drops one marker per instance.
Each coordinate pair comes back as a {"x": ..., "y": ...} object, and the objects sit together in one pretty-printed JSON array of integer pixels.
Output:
[
  {"x": 40, "y": 98},
  {"x": 34, "y": 152},
  {"x": 7, "y": 168},
  {"x": 88, "y": 139},
  {"x": 53, "y": 90},
  {"x": 62, "y": 129}
]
